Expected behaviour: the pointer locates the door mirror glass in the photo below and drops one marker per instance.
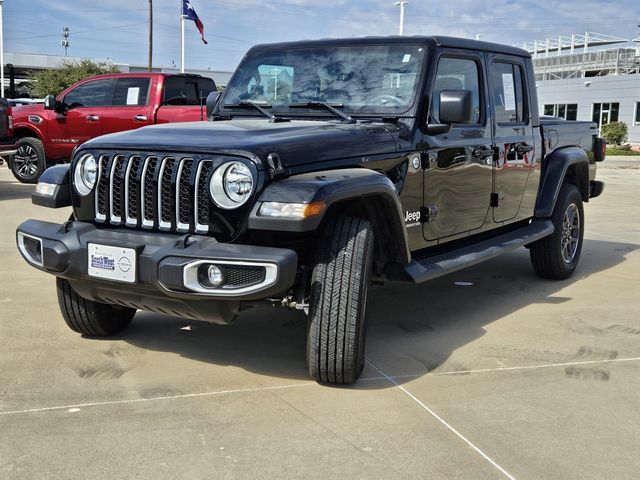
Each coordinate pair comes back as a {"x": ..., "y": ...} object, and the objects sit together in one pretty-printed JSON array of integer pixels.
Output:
[
  {"x": 212, "y": 99},
  {"x": 455, "y": 107}
]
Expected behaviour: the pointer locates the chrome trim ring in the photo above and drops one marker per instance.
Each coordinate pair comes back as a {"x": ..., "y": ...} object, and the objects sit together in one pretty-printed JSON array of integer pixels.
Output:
[
  {"x": 145, "y": 223},
  {"x": 23, "y": 249},
  {"x": 180, "y": 227},
  {"x": 190, "y": 277},
  {"x": 115, "y": 219},
  {"x": 162, "y": 224},
  {"x": 198, "y": 226},
  {"x": 100, "y": 217},
  {"x": 129, "y": 221}
]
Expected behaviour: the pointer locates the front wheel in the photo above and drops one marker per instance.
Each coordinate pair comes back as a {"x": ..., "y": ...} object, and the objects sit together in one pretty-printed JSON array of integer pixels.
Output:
[
  {"x": 88, "y": 317},
  {"x": 339, "y": 284},
  {"x": 29, "y": 161},
  {"x": 556, "y": 256}
]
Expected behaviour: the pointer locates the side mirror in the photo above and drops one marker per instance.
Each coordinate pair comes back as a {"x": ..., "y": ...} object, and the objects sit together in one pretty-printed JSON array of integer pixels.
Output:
[
  {"x": 50, "y": 102},
  {"x": 212, "y": 99},
  {"x": 455, "y": 107}
]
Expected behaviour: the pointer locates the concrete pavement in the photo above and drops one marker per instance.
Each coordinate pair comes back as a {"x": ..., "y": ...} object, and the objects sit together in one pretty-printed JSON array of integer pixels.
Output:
[{"x": 509, "y": 377}]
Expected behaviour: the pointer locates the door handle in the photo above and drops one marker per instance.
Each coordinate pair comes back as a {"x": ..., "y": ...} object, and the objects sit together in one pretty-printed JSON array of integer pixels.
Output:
[
  {"x": 140, "y": 118},
  {"x": 483, "y": 152},
  {"x": 523, "y": 148},
  {"x": 93, "y": 118}
]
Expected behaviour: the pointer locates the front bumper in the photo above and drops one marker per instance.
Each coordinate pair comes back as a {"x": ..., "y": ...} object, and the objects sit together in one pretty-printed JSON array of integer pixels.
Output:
[{"x": 165, "y": 263}]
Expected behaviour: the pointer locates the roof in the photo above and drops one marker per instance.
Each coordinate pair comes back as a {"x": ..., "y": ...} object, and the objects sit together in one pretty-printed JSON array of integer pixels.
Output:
[{"x": 433, "y": 41}]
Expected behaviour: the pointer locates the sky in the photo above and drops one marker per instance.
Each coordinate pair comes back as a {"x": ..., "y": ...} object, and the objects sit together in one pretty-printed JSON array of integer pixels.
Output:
[{"x": 117, "y": 29}]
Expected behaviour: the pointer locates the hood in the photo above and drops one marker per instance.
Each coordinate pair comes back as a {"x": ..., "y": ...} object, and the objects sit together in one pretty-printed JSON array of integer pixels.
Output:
[{"x": 296, "y": 142}]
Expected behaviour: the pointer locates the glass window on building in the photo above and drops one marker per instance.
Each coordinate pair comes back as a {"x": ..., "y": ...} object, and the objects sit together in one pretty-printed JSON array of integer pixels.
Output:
[
  {"x": 637, "y": 117},
  {"x": 568, "y": 111},
  {"x": 604, "y": 113}
]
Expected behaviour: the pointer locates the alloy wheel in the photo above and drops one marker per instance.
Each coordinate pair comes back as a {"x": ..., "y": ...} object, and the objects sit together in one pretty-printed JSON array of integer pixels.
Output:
[
  {"x": 25, "y": 161},
  {"x": 570, "y": 237}
]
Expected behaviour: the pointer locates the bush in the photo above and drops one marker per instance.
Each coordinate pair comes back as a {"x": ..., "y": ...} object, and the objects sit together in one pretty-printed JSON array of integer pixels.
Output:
[
  {"x": 56, "y": 80},
  {"x": 615, "y": 133}
]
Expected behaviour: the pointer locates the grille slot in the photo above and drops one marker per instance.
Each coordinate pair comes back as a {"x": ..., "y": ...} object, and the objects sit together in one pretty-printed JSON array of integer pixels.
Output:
[
  {"x": 237, "y": 276},
  {"x": 33, "y": 247},
  {"x": 152, "y": 192}
]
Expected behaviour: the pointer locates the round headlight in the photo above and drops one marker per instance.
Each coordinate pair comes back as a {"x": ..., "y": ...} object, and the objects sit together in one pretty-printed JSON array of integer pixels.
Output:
[
  {"x": 85, "y": 174},
  {"x": 231, "y": 185}
]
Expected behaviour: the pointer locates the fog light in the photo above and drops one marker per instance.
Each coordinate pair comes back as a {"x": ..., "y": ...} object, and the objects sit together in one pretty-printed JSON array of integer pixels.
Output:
[{"x": 214, "y": 274}]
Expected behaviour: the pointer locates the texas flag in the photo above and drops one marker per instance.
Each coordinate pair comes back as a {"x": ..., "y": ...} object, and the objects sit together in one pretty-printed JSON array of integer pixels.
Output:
[{"x": 190, "y": 14}]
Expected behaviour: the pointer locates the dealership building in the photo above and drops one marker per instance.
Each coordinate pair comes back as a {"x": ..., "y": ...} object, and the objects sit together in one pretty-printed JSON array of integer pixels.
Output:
[
  {"x": 589, "y": 76},
  {"x": 18, "y": 66}
]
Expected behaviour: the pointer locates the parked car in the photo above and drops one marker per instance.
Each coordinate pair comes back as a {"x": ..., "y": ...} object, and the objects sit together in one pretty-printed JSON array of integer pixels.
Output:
[
  {"x": 47, "y": 134},
  {"x": 329, "y": 164}
]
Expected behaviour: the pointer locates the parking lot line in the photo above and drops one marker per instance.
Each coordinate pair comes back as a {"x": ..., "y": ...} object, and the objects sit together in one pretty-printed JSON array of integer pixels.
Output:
[
  {"x": 506, "y": 369},
  {"x": 444, "y": 422},
  {"x": 152, "y": 399}
]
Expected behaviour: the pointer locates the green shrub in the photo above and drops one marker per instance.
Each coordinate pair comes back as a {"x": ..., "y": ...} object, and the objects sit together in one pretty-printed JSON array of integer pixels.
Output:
[
  {"x": 56, "y": 80},
  {"x": 615, "y": 133}
]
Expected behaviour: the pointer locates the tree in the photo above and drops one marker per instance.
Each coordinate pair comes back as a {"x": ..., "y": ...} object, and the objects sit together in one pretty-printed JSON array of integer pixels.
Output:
[
  {"x": 56, "y": 80},
  {"x": 614, "y": 133}
]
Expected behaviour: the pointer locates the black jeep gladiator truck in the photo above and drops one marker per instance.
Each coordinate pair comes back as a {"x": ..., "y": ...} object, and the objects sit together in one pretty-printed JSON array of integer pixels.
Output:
[{"x": 325, "y": 165}]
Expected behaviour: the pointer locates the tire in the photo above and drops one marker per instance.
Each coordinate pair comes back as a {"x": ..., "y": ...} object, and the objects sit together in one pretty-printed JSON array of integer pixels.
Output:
[
  {"x": 88, "y": 317},
  {"x": 556, "y": 256},
  {"x": 339, "y": 284},
  {"x": 29, "y": 161}
]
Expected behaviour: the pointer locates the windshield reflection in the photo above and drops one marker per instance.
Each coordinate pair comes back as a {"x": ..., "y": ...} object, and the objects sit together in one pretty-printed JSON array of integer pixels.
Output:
[{"x": 358, "y": 79}]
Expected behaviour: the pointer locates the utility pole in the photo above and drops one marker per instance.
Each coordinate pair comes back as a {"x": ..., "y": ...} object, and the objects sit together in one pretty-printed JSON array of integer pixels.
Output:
[
  {"x": 401, "y": 5},
  {"x": 65, "y": 40},
  {"x": 1, "y": 52},
  {"x": 150, "y": 35}
]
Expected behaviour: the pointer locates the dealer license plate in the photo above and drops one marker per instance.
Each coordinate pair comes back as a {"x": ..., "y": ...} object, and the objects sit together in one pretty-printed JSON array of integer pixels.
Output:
[{"x": 112, "y": 263}]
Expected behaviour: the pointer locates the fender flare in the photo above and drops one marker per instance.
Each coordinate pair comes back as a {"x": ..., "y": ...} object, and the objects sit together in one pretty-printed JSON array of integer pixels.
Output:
[
  {"x": 333, "y": 187},
  {"x": 27, "y": 126},
  {"x": 556, "y": 170}
]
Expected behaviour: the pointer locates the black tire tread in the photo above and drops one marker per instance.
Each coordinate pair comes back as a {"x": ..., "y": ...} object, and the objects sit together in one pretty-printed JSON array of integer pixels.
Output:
[
  {"x": 545, "y": 254},
  {"x": 88, "y": 317},
  {"x": 339, "y": 284}
]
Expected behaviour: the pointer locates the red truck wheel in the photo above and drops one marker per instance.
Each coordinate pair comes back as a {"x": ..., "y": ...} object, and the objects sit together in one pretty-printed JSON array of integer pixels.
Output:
[{"x": 29, "y": 161}]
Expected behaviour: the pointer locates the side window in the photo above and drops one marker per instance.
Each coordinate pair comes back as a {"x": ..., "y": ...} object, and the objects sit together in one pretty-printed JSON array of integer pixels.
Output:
[
  {"x": 507, "y": 91},
  {"x": 131, "y": 91},
  {"x": 205, "y": 87},
  {"x": 180, "y": 91},
  {"x": 457, "y": 74},
  {"x": 97, "y": 93}
]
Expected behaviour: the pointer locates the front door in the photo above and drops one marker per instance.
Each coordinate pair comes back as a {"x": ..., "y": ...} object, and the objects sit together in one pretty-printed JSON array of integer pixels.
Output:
[
  {"x": 513, "y": 135},
  {"x": 459, "y": 165},
  {"x": 82, "y": 120}
]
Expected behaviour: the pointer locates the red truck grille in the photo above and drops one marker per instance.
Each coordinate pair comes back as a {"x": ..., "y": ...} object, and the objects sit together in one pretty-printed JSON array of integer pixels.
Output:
[{"x": 154, "y": 192}]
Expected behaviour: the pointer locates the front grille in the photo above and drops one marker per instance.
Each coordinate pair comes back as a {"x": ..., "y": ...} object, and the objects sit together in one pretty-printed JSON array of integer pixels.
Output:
[
  {"x": 165, "y": 193},
  {"x": 237, "y": 276}
]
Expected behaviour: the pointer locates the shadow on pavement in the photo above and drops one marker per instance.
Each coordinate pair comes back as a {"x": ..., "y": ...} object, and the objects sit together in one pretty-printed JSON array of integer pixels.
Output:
[
  {"x": 13, "y": 190},
  {"x": 412, "y": 329}
]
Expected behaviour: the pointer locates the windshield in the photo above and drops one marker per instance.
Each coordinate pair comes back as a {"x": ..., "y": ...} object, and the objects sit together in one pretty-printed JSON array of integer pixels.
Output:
[{"x": 359, "y": 79}]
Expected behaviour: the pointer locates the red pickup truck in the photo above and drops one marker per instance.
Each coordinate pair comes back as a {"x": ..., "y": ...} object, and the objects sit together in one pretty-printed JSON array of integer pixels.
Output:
[{"x": 47, "y": 134}]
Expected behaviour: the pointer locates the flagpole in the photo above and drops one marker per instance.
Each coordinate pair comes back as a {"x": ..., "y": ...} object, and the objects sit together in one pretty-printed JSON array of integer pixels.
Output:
[{"x": 182, "y": 17}]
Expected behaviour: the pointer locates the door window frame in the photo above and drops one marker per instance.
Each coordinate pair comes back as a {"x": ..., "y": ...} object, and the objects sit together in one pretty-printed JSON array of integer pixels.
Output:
[
  {"x": 526, "y": 107},
  {"x": 482, "y": 85}
]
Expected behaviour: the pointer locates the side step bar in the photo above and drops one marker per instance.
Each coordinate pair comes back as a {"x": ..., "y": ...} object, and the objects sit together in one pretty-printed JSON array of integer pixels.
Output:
[{"x": 420, "y": 271}]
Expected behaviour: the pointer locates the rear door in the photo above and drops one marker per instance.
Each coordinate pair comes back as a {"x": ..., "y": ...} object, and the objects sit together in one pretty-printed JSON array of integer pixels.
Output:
[
  {"x": 184, "y": 99},
  {"x": 130, "y": 106},
  {"x": 513, "y": 134},
  {"x": 458, "y": 180}
]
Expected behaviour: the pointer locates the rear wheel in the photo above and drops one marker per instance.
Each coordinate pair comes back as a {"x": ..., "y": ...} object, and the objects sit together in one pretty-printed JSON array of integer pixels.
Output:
[
  {"x": 556, "y": 256},
  {"x": 88, "y": 317},
  {"x": 29, "y": 161},
  {"x": 339, "y": 284}
]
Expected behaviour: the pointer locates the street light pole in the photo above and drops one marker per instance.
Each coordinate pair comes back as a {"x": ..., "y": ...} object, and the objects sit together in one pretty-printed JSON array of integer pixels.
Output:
[
  {"x": 401, "y": 5},
  {"x": 1, "y": 52},
  {"x": 150, "y": 35}
]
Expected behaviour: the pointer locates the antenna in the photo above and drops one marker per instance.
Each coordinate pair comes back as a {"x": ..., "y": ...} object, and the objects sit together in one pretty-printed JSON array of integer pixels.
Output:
[{"x": 65, "y": 40}]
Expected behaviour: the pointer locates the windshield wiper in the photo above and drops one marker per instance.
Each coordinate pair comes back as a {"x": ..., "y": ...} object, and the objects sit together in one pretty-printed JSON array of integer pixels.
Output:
[
  {"x": 259, "y": 107},
  {"x": 331, "y": 107}
]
